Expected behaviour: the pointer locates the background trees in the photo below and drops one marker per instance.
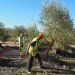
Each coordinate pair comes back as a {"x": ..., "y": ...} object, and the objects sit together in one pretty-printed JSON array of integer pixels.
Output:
[
  {"x": 1, "y": 30},
  {"x": 18, "y": 30},
  {"x": 56, "y": 21},
  {"x": 4, "y": 34}
]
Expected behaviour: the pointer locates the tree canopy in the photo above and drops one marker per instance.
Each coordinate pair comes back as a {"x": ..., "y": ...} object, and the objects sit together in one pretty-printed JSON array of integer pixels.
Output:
[{"x": 56, "y": 20}]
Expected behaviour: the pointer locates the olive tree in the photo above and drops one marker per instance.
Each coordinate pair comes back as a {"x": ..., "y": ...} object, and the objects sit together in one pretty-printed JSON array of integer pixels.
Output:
[{"x": 56, "y": 20}]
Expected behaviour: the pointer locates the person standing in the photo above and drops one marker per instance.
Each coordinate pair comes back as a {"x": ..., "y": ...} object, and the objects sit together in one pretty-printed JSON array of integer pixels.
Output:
[
  {"x": 20, "y": 42},
  {"x": 33, "y": 52}
]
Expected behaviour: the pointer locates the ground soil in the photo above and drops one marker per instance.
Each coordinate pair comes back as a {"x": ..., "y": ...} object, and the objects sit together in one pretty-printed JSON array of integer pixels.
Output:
[{"x": 54, "y": 64}]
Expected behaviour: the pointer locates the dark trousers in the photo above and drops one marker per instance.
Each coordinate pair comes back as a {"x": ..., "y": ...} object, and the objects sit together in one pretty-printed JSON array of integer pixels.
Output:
[
  {"x": 31, "y": 59},
  {"x": 21, "y": 48}
]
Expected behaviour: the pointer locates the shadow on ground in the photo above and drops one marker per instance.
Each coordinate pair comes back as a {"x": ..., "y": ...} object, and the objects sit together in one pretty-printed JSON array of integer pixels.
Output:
[
  {"x": 12, "y": 63},
  {"x": 49, "y": 63}
]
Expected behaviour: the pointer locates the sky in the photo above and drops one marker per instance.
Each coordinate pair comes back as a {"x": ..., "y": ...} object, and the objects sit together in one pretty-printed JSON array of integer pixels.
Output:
[{"x": 24, "y": 12}]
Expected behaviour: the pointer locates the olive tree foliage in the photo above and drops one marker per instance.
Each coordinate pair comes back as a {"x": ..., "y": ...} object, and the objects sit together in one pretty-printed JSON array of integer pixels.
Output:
[
  {"x": 4, "y": 34},
  {"x": 73, "y": 36},
  {"x": 1, "y": 29},
  {"x": 32, "y": 32},
  {"x": 56, "y": 21},
  {"x": 18, "y": 30}
]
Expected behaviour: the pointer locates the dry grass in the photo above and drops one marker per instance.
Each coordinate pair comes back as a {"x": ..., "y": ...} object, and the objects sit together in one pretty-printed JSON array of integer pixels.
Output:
[{"x": 54, "y": 65}]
